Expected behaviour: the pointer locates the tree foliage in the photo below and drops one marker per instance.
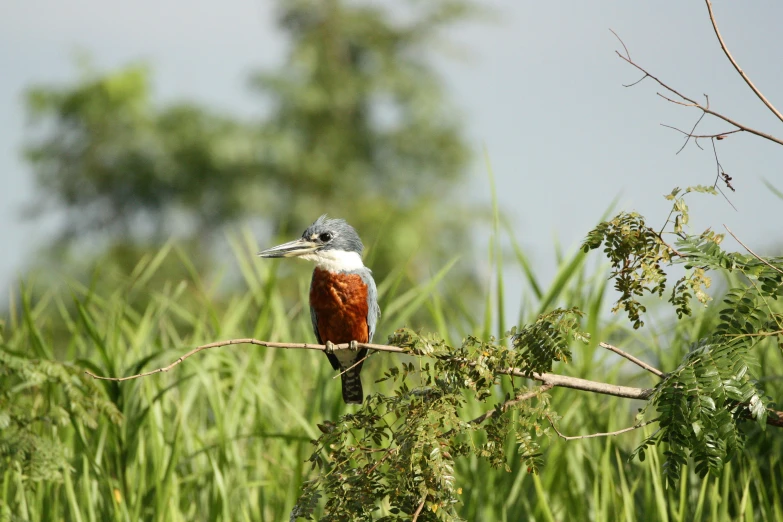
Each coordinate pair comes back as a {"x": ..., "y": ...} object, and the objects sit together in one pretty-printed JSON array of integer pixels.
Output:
[
  {"x": 115, "y": 164},
  {"x": 398, "y": 451},
  {"x": 38, "y": 397},
  {"x": 702, "y": 402}
]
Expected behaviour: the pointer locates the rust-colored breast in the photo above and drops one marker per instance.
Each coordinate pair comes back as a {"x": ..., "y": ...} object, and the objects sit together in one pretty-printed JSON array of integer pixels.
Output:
[{"x": 340, "y": 303}]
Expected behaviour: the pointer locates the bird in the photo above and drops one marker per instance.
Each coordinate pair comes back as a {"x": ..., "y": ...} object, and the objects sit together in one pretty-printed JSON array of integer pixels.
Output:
[{"x": 343, "y": 296}]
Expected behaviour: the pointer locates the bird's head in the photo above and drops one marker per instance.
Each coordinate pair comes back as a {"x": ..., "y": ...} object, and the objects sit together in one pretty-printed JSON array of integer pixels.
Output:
[{"x": 332, "y": 244}]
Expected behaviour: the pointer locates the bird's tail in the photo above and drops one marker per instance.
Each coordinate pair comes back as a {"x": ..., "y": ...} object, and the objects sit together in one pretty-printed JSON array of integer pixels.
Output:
[{"x": 352, "y": 386}]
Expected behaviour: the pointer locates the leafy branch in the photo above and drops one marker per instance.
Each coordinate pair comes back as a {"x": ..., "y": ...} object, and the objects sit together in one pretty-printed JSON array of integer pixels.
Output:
[
  {"x": 700, "y": 404},
  {"x": 26, "y": 422}
]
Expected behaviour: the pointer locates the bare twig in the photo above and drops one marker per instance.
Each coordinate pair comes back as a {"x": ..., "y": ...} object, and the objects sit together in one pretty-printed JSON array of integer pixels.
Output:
[
  {"x": 512, "y": 402},
  {"x": 593, "y": 435},
  {"x": 736, "y": 65},
  {"x": 689, "y": 135},
  {"x": 637, "y": 362},
  {"x": 575, "y": 383},
  {"x": 354, "y": 365},
  {"x": 693, "y": 103},
  {"x": 380, "y": 460},
  {"x": 719, "y": 136},
  {"x": 718, "y": 166},
  {"x": 705, "y": 107},
  {"x": 722, "y": 175},
  {"x": 752, "y": 252},
  {"x": 640, "y": 80},
  {"x": 418, "y": 510},
  {"x": 627, "y": 54},
  {"x": 219, "y": 344}
]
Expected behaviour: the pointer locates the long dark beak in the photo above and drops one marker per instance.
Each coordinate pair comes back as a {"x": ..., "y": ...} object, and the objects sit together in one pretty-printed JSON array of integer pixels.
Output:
[{"x": 298, "y": 247}]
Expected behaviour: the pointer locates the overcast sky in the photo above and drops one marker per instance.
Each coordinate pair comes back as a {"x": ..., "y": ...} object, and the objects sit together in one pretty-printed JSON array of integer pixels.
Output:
[{"x": 541, "y": 88}]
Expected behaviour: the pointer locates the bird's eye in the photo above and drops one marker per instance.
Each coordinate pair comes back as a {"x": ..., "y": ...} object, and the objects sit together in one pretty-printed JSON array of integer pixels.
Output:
[{"x": 326, "y": 236}]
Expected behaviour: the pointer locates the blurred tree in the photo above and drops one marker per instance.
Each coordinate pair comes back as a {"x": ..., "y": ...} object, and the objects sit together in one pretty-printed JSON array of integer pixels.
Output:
[
  {"x": 357, "y": 127},
  {"x": 115, "y": 164}
]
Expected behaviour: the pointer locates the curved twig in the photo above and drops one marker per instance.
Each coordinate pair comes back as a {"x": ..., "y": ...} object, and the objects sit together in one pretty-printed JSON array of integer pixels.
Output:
[
  {"x": 593, "y": 435},
  {"x": 546, "y": 378},
  {"x": 752, "y": 252},
  {"x": 758, "y": 93},
  {"x": 549, "y": 380},
  {"x": 512, "y": 402},
  {"x": 623, "y": 44},
  {"x": 418, "y": 510},
  {"x": 268, "y": 344},
  {"x": 637, "y": 362},
  {"x": 719, "y": 135}
]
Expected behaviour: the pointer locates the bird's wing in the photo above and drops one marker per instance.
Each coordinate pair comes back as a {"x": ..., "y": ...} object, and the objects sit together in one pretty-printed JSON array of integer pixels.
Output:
[
  {"x": 314, "y": 320},
  {"x": 373, "y": 309}
]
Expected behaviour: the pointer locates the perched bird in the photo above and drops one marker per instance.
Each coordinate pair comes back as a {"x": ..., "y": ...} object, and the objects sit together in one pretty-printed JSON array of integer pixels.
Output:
[{"x": 343, "y": 298}]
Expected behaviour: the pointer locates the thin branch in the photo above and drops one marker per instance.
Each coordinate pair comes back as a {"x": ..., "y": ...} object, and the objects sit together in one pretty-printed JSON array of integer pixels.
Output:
[
  {"x": 621, "y": 42},
  {"x": 758, "y": 334},
  {"x": 512, "y": 402},
  {"x": 694, "y": 103},
  {"x": 549, "y": 380},
  {"x": 593, "y": 435},
  {"x": 752, "y": 252},
  {"x": 722, "y": 175},
  {"x": 575, "y": 383},
  {"x": 380, "y": 460},
  {"x": 640, "y": 80},
  {"x": 667, "y": 245},
  {"x": 354, "y": 365},
  {"x": 690, "y": 134},
  {"x": 718, "y": 166},
  {"x": 418, "y": 510},
  {"x": 736, "y": 65},
  {"x": 219, "y": 344},
  {"x": 522, "y": 397},
  {"x": 660, "y": 232},
  {"x": 637, "y": 362},
  {"x": 727, "y": 198},
  {"x": 546, "y": 378},
  {"x": 365, "y": 449},
  {"x": 718, "y": 136}
]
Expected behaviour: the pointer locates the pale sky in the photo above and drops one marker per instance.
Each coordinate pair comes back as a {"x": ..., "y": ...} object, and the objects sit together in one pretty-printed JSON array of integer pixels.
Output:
[{"x": 540, "y": 88}]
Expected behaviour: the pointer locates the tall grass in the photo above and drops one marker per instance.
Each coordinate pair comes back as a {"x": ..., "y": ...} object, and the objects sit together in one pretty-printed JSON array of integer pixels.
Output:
[{"x": 225, "y": 435}]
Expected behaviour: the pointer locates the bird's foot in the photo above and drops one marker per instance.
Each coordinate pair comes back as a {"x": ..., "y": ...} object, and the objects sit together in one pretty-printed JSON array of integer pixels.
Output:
[
  {"x": 329, "y": 347},
  {"x": 353, "y": 346}
]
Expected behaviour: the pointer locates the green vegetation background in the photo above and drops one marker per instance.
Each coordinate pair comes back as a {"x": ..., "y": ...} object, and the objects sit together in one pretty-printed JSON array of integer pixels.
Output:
[{"x": 163, "y": 210}]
